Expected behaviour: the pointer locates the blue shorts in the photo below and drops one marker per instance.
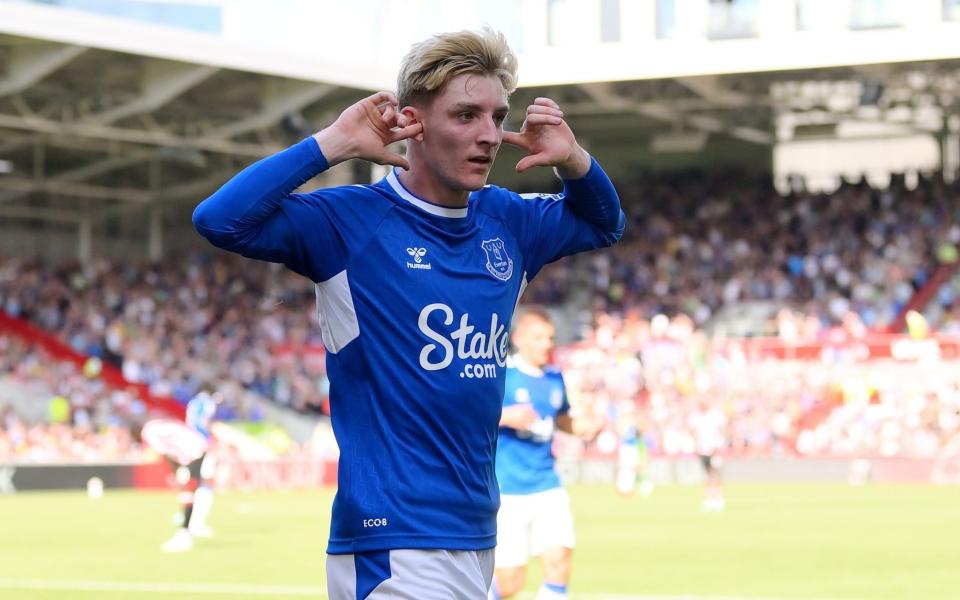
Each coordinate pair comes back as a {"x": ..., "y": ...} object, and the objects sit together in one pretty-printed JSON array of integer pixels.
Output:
[{"x": 410, "y": 575}]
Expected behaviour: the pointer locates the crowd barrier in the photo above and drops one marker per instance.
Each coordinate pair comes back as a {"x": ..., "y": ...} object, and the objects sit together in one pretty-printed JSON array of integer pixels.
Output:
[
  {"x": 246, "y": 475},
  {"x": 315, "y": 473},
  {"x": 876, "y": 346},
  {"x": 688, "y": 470}
]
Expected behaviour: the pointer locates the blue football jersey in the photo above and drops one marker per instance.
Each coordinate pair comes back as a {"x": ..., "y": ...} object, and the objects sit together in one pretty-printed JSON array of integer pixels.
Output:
[
  {"x": 414, "y": 302},
  {"x": 525, "y": 462},
  {"x": 200, "y": 411}
]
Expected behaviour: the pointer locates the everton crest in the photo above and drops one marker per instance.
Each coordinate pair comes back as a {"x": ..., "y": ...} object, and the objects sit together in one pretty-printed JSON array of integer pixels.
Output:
[{"x": 499, "y": 263}]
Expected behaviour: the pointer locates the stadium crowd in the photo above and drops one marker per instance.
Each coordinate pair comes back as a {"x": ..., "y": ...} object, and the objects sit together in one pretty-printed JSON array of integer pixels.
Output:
[
  {"x": 696, "y": 242},
  {"x": 81, "y": 419},
  {"x": 656, "y": 372},
  {"x": 174, "y": 324},
  {"x": 846, "y": 261}
]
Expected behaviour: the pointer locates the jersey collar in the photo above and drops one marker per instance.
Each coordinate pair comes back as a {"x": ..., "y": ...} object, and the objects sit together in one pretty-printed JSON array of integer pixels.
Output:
[
  {"x": 433, "y": 209},
  {"x": 525, "y": 367}
]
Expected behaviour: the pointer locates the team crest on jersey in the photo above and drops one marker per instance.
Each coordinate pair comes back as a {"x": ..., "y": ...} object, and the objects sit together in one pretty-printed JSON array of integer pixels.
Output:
[{"x": 499, "y": 262}]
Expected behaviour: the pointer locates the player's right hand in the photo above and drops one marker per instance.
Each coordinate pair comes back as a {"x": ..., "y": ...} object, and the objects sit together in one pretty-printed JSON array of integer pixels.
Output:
[
  {"x": 588, "y": 428},
  {"x": 365, "y": 130},
  {"x": 519, "y": 416}
]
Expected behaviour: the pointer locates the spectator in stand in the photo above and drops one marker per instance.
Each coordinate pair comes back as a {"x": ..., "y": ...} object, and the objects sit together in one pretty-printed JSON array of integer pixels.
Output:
[
  {"x": 83, "y": 420},
  {"x": 171, "y": 336},
  {"x": 700, "y": 242},
  {"x": 772, "y": 407},
  {"x": 836, "y": 265}
]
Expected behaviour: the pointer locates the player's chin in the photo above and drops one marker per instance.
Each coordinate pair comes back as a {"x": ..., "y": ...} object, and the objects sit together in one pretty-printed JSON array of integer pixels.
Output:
[{"x": 474, "y": 181}]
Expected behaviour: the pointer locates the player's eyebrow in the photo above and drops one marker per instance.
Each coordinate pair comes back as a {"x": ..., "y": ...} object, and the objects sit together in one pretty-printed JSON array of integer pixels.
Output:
[{"x": 471, "y": 106}]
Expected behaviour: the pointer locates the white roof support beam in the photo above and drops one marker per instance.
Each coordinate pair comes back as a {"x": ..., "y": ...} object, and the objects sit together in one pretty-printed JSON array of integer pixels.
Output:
[
  {"x": 31, "y": 63},
  {"x": 136, "y": 136},
  {"x": 162, "y": 81},
  {"x": 85, "y": 239},
  {"x": 604, "y": 95},
  {"x": 75, "y": 190},
  {"x": 200, "y": 186},
  {"x": 709, "y": 87},
  {"x": 101, "y": 166},
  {"x": 85, "y": 172},
  {"x": 136, "y": 199},
  {"x": 280, "y": 96},
  {"x": 195, "y": 188},
  {"x": 55, "y": 215},
  {"x": 16, "y": 143}
]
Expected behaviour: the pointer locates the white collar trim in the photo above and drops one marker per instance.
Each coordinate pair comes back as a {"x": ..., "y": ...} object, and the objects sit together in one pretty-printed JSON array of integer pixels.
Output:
[
  {"x": 433, "y": 209},
  {"x": 525, "y": 367}
]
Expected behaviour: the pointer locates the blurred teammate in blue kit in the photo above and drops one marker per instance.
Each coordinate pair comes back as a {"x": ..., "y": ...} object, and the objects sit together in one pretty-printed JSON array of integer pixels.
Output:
[
  {"x": 196, "y": 477},
  {"x": 416, "y": 280},
  {"x": 535, "y": 517}
]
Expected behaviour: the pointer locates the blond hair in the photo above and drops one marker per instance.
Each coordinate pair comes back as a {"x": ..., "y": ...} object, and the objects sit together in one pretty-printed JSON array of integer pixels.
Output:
[{"x": 433, "y": 62}]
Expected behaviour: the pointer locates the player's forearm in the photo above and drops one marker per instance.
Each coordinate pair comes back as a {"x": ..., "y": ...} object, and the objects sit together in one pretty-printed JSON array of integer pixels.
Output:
[
  {"x": 564, "y": 422},
  {"x": 250, "y": 198},
  {"x": 518, "y": 417},
  {"x": 512, "y": 422},
  {"x": 593, "y": 198}
]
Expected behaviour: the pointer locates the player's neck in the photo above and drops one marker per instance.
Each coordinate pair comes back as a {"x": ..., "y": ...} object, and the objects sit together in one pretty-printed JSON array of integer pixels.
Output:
[{"x": 422, "y": 184}]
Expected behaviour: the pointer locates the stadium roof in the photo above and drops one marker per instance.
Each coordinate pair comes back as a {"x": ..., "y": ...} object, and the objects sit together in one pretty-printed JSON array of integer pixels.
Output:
[{"x": 101, "y": 117}]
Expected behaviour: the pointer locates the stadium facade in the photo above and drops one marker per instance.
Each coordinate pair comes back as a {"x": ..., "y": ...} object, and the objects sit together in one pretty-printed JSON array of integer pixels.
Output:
[{"x": 117, "y": 117}]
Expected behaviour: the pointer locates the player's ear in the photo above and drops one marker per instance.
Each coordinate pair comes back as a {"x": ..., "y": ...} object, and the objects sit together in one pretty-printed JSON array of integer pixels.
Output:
[{"x": 414, "y": 115}]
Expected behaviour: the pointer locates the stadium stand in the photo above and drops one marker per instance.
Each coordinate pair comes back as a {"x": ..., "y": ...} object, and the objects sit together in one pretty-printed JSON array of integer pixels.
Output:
[
  {"x": 700, "y": 243},
  {"x": 835, "y": 405},
  {"x": 169, "y": 336},
  {"x": 92, "y": 168},
  {"x": 830, "y": 265},
  {"x": 71, "y": 416}
]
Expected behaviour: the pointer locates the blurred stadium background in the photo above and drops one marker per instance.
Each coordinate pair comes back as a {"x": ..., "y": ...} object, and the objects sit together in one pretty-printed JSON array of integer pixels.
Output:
[{"x": 789, "y": 169}]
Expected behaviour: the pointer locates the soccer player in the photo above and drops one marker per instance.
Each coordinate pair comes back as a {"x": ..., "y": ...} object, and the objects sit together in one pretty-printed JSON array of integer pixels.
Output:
[
  {"x": 416, "y": 280},
  {"x": 708, "y": 425},
  {"x": 196, "y": 493},
  {"x": 535, "y": 517},
  {"x": 628, "y": 459}
]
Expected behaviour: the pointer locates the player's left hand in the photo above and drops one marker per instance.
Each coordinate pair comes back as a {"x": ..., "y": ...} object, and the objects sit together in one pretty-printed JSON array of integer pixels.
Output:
[{"x": 548, "y": 141}]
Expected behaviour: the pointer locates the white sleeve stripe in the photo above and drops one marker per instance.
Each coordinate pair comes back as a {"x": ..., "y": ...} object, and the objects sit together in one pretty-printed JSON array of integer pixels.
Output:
[
  {"x": 523, "y": 288},
  {"x": 335, "y": 312}
]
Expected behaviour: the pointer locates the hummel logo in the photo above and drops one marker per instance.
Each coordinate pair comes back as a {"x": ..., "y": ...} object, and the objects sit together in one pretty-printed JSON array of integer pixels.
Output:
[{"x": 417, "y": 255}]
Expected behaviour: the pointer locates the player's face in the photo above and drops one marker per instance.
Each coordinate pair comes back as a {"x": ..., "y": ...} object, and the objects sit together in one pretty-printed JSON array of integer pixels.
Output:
[
  {"x": 462, "y": 131},
  {"x": 533, "y": 338}
]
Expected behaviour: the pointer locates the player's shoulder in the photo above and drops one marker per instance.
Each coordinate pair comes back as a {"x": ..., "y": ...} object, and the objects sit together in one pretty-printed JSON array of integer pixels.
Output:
[
  {"x": 517, "y": 368},
  {"x": 352, "y": 198},
  {"x": 502, "y": 202},
  {"x": 553, "y": 373},
  {"x": 494, "y": 200}
]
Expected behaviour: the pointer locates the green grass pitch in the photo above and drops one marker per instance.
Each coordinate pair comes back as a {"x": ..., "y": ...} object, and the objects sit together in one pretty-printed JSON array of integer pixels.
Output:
[{"x": 792, "y": 541}]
